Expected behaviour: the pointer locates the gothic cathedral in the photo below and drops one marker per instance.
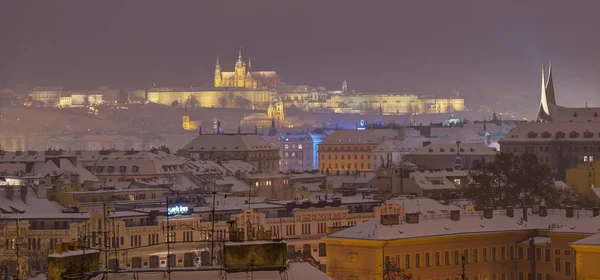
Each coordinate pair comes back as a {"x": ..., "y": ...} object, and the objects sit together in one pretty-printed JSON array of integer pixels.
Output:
[{"x": 244, "y": 77}]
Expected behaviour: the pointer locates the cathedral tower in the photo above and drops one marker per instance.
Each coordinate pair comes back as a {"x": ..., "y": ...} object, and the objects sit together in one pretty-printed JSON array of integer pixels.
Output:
[
  {"x": 240, "y": 71},
  {"x": 218, "y": 76}
]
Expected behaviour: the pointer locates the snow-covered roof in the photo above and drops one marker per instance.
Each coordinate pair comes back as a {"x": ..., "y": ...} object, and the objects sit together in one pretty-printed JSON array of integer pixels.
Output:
[
  {"x": 592, "y": 240},
  {"x": 469, "y": 223},
  {"x": 451, "y": 149},
  {"x": 236, "y": 185},
  {"x": 465, "y": 135},
  {"x": 552, "y": 131},
  {"x": 362, "y": 178},
  {"x": 33, "y": 207},
  {"x": 424, "y": 205},
  {"x": 312, "y": 187},
  {"x": 237, "y": 165},
  {"x": 371, "y": 136},
  {"x": 228, "y": 142},
  {"x": 432, "y": 180},
  {"x": 538, "y": 240}
]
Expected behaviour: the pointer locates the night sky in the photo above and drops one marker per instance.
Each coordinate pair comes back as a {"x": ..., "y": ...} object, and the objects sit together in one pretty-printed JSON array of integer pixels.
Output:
[{"x": 487, "y": 50}]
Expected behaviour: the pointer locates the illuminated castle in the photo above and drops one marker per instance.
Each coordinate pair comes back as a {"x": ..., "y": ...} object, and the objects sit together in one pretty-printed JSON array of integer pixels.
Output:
[{"x": 244, "y": 77}]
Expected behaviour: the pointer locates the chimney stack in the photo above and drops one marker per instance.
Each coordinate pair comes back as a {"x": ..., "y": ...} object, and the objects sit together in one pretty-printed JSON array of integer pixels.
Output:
[
  {"x": 510, "y": 211},
  {"x": 488, "y": 213},
  {"x": 524, "y": 213},
  {"x": 390, "y": 219},
  {"x": 8, "y": 192},
  {"x": 595, "y": 211},
  {"x": 412, "y": 218},
  {"x": 455, "y": 215},
  {"x": 569, "y": 212},
  {"x": 543, "y": 211},
  {"x": 24, "y": 194}
]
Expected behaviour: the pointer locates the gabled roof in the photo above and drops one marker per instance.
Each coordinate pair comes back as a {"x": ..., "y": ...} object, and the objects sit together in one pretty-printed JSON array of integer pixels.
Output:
[{"x": 228, "y": 142}]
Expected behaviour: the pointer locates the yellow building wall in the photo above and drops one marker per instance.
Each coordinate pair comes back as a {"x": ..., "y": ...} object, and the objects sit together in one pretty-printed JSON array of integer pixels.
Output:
[
  {"x": 588, "y": 259},
  {"x": 579, "y": 178}
]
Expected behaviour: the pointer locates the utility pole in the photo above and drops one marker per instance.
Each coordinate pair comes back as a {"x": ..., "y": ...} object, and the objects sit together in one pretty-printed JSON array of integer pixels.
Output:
[
  {"x": 212, "y": 232},
  {"x": 464, "y": 267},
  {"x": 105, "y": 233},
  {"x": 17, "y": 247},
  {"x": 168, "y": 241}
]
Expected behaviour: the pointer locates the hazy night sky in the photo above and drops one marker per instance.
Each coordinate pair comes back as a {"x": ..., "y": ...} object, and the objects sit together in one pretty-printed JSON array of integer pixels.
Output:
[{"x": 488, "y": 50}]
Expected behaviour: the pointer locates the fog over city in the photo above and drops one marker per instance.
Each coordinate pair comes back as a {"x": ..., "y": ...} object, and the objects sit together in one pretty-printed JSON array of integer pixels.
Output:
[{"x": 344, "y": 140}]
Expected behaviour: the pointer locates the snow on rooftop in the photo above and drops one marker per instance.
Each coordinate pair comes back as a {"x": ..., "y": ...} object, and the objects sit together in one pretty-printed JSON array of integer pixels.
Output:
[
  {"x": 469, "y": 223},
  {"x": 592, "y": 240}
]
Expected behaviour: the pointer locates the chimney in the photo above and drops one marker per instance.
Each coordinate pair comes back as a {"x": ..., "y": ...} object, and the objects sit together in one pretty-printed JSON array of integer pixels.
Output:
[
  {"x": 524, "y": 213},
  {"x": 510, "y": 211},
  {"x": 595, "y": 211},
  {"x": 569, "y": 212},
  {"x": 8, "y": 192},
  {"x": 543, "y": 211},
  {"x": 412, "y": 218},
  {"x": 390, "y": 219},
  {"x": 24, "y": 193},
  {"x": 455, "y": 215},
  {"x": 488, "y": 213}
]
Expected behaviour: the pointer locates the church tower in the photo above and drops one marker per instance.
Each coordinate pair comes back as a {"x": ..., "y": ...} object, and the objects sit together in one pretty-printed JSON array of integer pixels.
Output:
[
  {"x": 344, "y": 87},
  {"x": 240, "y": 71},
  {"x": 218, "y": 76},
  {"x": 275, "y": 109}
]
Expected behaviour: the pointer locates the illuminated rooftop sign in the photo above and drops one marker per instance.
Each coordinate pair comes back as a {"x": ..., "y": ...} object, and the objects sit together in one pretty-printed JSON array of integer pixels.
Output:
[
  {"x": 361, "y": 125},
  {"x": 178, "y": 210}
]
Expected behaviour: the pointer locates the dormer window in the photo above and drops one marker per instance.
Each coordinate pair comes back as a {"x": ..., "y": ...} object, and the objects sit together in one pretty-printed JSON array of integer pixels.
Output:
[
  {"x": 588, "y": 134},
  {"x": 532, "y": 134},
  {"x": 442, "y": 150},
  {"x": 575, "y": 115},
  {"x": 430, "y": 150},
  {"x": 472, "y": 150},
  {"x": 574, "y": 134},
  {"x": 99, "y": 169},
  {"x": 135, "y": 169},
  {"x": 560, "y": 134},
  {"x": 111, "y": 169},
  {"x": 546, "y": 134},
  {"x": 122, "y": 169}
]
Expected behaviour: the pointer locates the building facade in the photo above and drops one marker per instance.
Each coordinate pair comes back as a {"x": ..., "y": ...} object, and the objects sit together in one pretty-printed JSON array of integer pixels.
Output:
[
  {"x": 349, "y": 151},
  {"x": 510, "y": 244}
]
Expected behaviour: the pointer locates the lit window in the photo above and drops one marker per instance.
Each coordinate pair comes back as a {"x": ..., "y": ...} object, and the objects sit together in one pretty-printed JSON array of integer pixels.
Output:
[
  {"x": 256, "y": 184},
  {"x": 457, "y": 181},
  {"x": 300, "y": 146},
  {"x": 287, "y": 146}
]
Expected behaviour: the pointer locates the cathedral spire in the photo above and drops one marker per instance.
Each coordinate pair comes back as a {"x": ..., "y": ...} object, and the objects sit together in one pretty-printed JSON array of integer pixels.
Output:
[
  {"x": 344, "y": 86},
  {"x": 249, "y": 64},
  {"x": 218, "y": 65},
  {"x": 240, "y": 55}
]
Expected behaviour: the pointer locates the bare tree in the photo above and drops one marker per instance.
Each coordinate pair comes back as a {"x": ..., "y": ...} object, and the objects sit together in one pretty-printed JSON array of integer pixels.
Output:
[
  {"x": 392, "y": 271},
  {"x": 242, "y": 103},
  {"x": 191, "y": 102},
  {"x": 223, "y": 102}
]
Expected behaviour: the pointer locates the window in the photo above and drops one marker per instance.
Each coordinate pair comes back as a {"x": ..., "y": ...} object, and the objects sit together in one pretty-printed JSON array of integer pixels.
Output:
[
  {"x": 557, "y": 265},
  {"x": 538, "y": 254},
  {"x": 299, "y": 146},
  {"x": 567, "y": 268},
  {"x": 484, "y": 255},
  {"x": 503, "y": 253},
  {"x": 407, "y": 261},
  {"x": 427, "y": 259},
  {"x": 547, "y": 254},
  {"x": 494, "y": 254},
  {"x": 122, "y": 169},
  {"x": 457, "y": 182},
  {"x": 538, "y": 276},
  {"x": 417, "y": 260},
  {"x": 466, "y": 256},
  {"x": 521, "y": 276},
  {"x": 111, "y": 169},
  {"x": 456, "y": 257},
  {"x": 520, "y": 253},
  {"x": 529, "y": 254},
  {"x": 476, "y": 255},
  {"x": 567, "y": 252},
  {"x": 512, "y": 253},
  {"x": 322, "y": 249},
  {"x": 447, "y": 258}
]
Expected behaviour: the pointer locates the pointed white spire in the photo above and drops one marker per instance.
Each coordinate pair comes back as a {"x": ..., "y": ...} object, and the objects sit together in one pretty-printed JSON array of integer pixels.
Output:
[
  {"x": 240, "y": 55},
  {"x": 344, "y": 86}
]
